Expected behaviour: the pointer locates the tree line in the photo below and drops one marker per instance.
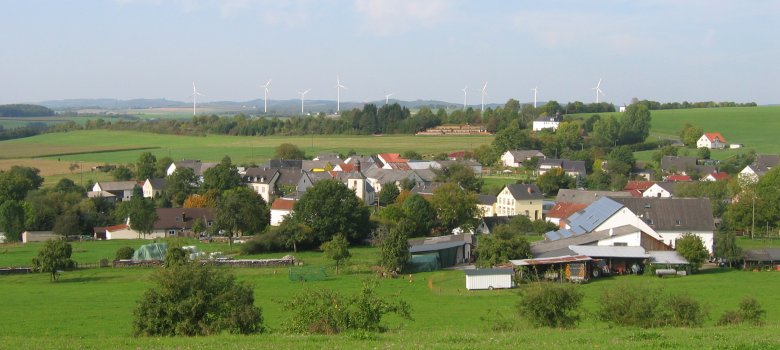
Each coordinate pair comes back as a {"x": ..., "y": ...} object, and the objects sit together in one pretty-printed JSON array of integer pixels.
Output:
[{"x": 24, "y": 110}]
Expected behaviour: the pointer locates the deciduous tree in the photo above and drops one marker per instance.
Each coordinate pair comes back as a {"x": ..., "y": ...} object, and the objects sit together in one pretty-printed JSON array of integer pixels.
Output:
[
  {"x": 337, "y": 249},
  {"x": 454, "y": 207},
  {"x": 329, "y": 207},
  {"x": 54, "y": 256}
]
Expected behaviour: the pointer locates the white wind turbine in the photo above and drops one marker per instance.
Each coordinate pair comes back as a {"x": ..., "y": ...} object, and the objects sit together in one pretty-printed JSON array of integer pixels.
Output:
[
  {"x": 484, "y": 93},
  {"x": 465, "y": 88},
  {"x": 535, "y": 90},
  {"x": 265, "y": 96},
  {"x": 387, "y": 97},
  {"x": 338, "y": 93},
  {"x": 303, "y": 95},
  {"x": 195, "y": 94},
  {"x": 598, "y": 90}
]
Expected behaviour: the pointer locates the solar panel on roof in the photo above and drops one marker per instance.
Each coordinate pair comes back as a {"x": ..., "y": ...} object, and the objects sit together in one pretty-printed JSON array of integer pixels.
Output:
[
  {"x": 552, "y": 236},
  {"x": 565, "y": 233}
]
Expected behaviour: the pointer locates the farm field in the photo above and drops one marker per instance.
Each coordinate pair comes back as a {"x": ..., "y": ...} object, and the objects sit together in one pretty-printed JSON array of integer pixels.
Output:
[{"x": 92, "y": 309}]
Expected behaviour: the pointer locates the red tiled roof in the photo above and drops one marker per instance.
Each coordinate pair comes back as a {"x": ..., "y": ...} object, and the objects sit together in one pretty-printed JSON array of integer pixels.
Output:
[
  {"x": 282, "y": 204},
  {"x": 347, "y": 167},
  {"x": 676, "y": 177},
  {"x": 457, "y": 154},
  {"x": 714, "y": 136},
  {"x": 399, "y": 165},
  {"x": 638, "y": 185},
  {"x": 564, "y": 210},
  {"x": 116, "y": 227},
  {"x": 392, "y": 158},
  {"x": 635, "y": 193},
  {"x": 720, "y": 176}
]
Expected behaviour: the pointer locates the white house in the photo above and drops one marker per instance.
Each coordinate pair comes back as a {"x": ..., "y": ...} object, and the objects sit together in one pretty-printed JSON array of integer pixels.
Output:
[
  {"x": 547, "y": 122},
  {"x": 280, "y": 209},
  {"x": 520, "y": 199},
  {"x": 712, "y": 140},
  {"x": 153, "y": 187},
  {"x": 486, "y": 205},
  {"x": 477, "y": 279},
  {"x": 198, "y": 167},
  {"x": 515, "y": 158},
  {"x": 762, "y": 164},
  {"x": 123, "y": 190},
  {"x": 660, "y": 190},
  {"x": 262, "y": 181}
]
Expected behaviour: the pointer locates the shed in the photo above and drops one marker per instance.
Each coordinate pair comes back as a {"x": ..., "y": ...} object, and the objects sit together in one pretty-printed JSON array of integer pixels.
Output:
[
  {"x": 39, "y": 236},
  {"x": 477, "y": 279},
  {"x": 424, "y": 263}
]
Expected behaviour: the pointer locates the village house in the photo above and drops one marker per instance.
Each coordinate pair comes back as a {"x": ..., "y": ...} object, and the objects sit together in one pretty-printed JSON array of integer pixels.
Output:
[
  {"x": 280, "y": 210},
  {"x": 547, "y": 122},
  {"x": 178, "y": 222},
  {"x": 637, "y": 188},
  {"x": 684, "y": 166},
  {"x": 486, "y": 205},
  {"x": 516, "y": 158},
  {"x": 198, "y": 167},
  {"x": 762, "y": 165},
  {"x": 153, "y": 187},
  {"x": 711, "y": 140},
  {"x": 716, "y": 176},
  {"x": 520, "y": 199},
  {"x": 123, "y": 190},
  {"x": 661, "y": 190},
  {"x": 573, "y": 168},
  {"x": 262, "y": 181}
]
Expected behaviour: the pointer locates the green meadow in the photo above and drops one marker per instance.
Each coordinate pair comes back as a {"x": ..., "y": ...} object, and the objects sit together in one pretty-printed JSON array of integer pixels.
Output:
[{"x": 93, "y": 308}]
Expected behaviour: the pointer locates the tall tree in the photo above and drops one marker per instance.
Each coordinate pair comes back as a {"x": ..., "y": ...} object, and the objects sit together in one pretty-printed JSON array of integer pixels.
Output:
[
  {"x": 459, "y": 174},
  {"x": 395, "y": 246},
  {"x": 222, "y": 177},
  {"x": 54, "y": 256},
  {"x": 67, "y": 224},
  {"x": 145, "y": 166},
  {"x": 12, "y": 219},
  {"x": 337, "y": 249},
  {"x": 329, "y": 207},
  {"x": 454, "y": 207},
  {"x": 242, "y": 211},
  {"x": 388, "y": 194},
  {"x": 420, "y": 213},
  {"x": 16, "y": 182},
  {"x": 140, "y": 211},
  {"x": 690, "y": 134},
  {"x": 502, "y": 245},
  {"x": 289, "y": 151},
  {"x": 180, "y": 185},
  {"x": 635, "y": 124},
  {"x": 553, "y": 180},
  {"x": 726, "y": 247},
  {"x": 691, "y": 247}
]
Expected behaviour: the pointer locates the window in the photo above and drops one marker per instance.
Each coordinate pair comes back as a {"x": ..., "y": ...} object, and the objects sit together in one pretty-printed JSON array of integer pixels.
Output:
[{"x": 620, "y": 244}]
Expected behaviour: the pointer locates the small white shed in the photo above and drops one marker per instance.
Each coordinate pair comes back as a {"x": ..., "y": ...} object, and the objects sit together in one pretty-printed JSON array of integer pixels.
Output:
[{"x": 489, "y": 278}]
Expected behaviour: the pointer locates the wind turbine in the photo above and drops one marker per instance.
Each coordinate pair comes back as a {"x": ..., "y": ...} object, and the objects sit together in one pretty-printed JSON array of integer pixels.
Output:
[
  {"x": 465, "y": 88},
  {"x": 195, "y": 94},
  {"x": 265, "y": 96},
  {"x": 338, "y": 93},
  {"x": 535, "y": 90},
  {"x": 598, "y": 90},
  {"x": 303, "y": 94},
  {"x": 484, "y": 93},
  {"x": 387, "y": 97}
]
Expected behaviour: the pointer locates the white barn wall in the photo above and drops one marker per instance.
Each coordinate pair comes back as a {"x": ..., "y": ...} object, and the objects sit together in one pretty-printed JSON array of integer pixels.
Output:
[{"x": 487, "y": 281}]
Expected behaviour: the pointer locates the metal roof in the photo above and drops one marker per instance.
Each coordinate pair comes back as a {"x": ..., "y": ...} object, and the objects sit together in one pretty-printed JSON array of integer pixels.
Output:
[
  {"x": 666, "y": 257},
  {"x": 540, "y": 247},
  {"x": 435, "y": 246},
  {"x": 488, "y": 272},
  {"x": 609, "y": 251},
  {"x": 587, "y": 220},
  {"x": 547, "y": 261},
  {"x": 766, "y": 254}
]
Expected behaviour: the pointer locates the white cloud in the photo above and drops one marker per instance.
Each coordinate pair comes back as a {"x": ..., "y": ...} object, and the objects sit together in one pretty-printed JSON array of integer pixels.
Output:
[{"x": 393, "y": 17}]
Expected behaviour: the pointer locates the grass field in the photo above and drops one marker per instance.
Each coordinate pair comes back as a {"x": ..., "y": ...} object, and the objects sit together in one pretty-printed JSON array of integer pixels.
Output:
[{"x": 92, "y": 309}]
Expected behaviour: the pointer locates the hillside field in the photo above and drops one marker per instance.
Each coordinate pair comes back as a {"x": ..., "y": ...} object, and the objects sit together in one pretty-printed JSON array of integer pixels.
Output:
[{"x": 93, "y": 308}]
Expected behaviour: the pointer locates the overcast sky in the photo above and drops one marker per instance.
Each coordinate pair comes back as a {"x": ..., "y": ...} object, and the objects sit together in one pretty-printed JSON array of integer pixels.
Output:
[{"x": 665, "y": 50}]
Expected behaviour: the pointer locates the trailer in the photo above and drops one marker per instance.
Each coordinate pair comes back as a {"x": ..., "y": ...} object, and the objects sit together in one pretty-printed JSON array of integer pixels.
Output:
[{"x": 480, "y": 279}]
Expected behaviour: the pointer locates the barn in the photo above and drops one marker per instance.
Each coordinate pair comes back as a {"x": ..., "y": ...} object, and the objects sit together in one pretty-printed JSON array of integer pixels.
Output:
[{"x": 477, "y": 279}]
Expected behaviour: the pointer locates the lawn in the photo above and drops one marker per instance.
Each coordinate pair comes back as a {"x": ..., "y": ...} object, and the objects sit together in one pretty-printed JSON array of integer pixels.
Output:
[{"x": 92, "y": 308}]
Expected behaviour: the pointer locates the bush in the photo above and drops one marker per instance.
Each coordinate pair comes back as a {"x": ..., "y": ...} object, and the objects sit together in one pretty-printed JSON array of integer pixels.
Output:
[
  {"x": 749, "y": 311},
  {"x": 191, "y": 299},
  {"x": 551, "y": 305},
  {"x": 630, "y": 306},
  {"x": 124, "y": 253},
  {"x": 267, "y": 242},
  {"x": 683, "y": 311},
  {"x": 323, "y": 311}
]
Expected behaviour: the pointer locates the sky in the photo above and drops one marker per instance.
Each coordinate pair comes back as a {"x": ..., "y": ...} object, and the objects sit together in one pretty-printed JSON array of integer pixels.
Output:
[{"x": 663, "y": 50}]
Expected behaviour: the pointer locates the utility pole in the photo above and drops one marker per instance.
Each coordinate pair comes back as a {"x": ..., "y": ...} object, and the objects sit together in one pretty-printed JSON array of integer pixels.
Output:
[{"x": 753, "y": 228}]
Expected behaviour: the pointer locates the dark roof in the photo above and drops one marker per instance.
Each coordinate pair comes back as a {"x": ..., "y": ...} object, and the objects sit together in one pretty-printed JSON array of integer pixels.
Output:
[
  {"x": 764, "y": 163},
  {"x": 260, "y": 175},
  {"x": 486, "y": 199},
  {"x": 157, "y": 183},
  {"x": 684, "y": 164},
  {"x": 522, "y": 155},
  {"x": 197, "y": 166},
  {"x": 170, "y": 218},
  {"x": 289, "y": 176},
  {"x": 672, "y": 214},
  {"x": 765, "y": 254},
  {"x": 586, "y": 197},
  {"x": 285, "y": 163},
  {"x": 428, "y": 244},
  {"x": 549, "y": 118},
  {"x": 565, "y": 164},
  {"x": 426, "y": 188},
  {"x": 525, "y": 191},
  {"x": 488, "y": 272},
  {"x": 492, "y": 221}
]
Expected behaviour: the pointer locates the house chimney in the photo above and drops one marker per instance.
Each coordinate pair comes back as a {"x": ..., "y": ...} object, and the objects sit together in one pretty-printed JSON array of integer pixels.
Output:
[
  {"x": 530, "y": 190},
  {"x": 183, "y": 216},
  {"x": 357, "y": 165}
]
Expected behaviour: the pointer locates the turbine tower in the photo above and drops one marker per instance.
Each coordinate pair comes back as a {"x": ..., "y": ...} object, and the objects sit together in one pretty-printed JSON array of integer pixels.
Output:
[
  {"x": 465, "y": 88},
  {"x": 387, "y": 98},
  {"x": 303, "y": 95},
  {"x": 535, "y": 90},
  {"x": 598, "y": 90},
  {"x": 338, "y": 93},
  {"x": 195, "y": 95},
  {"x": 484, "y": 93},
  {"x": 265, "y": 96}
]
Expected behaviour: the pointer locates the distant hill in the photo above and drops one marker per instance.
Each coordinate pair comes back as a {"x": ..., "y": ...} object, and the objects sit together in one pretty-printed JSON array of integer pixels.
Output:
[
  {"x": 25, "y": 110},
  {"x": 275, "y": 107}
]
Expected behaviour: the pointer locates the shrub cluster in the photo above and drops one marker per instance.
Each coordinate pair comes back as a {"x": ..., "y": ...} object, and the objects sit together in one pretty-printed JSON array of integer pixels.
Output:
[
  {"x": 551, "y": 305},
  {"x": 323, "y": 311},
  {"x": 646, "y": 307},
  {"x": 124, "y": 253},
  {"x": 750, "y": 311}
]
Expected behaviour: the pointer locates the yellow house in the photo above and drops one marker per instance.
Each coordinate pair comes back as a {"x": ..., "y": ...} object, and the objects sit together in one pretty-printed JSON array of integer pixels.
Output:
[{"x": 520, "y": 199}]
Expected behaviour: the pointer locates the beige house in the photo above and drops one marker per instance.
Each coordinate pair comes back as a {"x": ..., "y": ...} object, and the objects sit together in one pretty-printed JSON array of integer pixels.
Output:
[{"x": 520, "y": 199}]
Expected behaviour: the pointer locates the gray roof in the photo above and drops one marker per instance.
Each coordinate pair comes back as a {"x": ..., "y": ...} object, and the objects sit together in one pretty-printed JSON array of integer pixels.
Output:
[
  {"x": 672, "y": 214},
  {"x": 525, "y": 191},
  {"x": 426, "y": 188},
  {"x": 586, "y": 220},
  {"x": 289, "y": 176},
  {"x": 99, "y": 194},
  {"x": 117, "y": 185},
  {"x": 765, "y": 254},
  {"x": 197, "y": 166},
  {"x": 764, "y": 163},
  {"x": 315, "y": 164},
  {"x": 488, "y": 272},
  {"x": 441, "y": 242},
  {"x": 486, "y": 199},
  {"x": 435, "y": 246},
  {"x": 384, "y": 176},
  {"x": 540, "y": 248},
  {"x": 666, "y": 257},
  {"x": 549, "y": 118},
  {"x": 577, "y": 166},
  {"x": 595, "y": 251},
  {"x": 684, "y": 164},
  {"x": 669, "y": 186},
  {"x": 492, "y": 221},
  {"x": 521, "y": 155},
  {"x": 426, "y": 175},
  {"x": 285, "y": 163},
  {"x": 329, "y": 156},
  {"x": 260, "y": 175},
  {"x": 157, "y": 184},
  {"x": 586, "y": 197}
]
